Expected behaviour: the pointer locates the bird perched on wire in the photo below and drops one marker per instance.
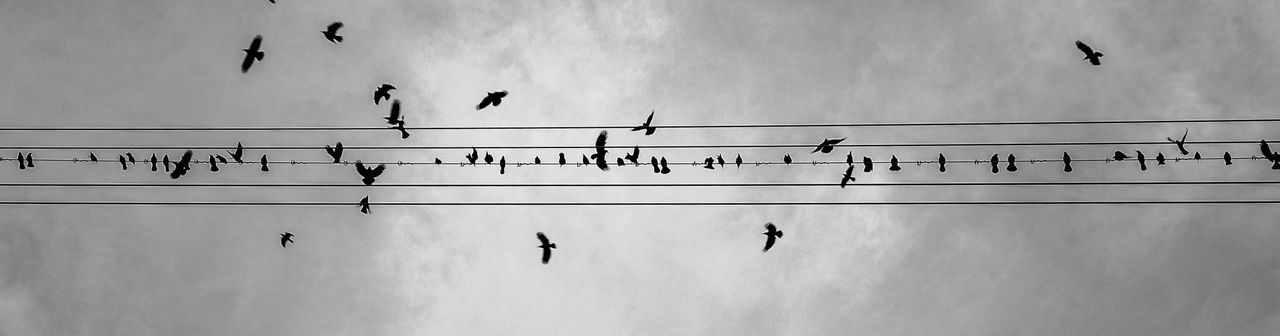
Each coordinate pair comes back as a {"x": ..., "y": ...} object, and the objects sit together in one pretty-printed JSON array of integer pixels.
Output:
[
  {"x": 471, "y": 158},
  {"x": 155, "y": 163},
  {"x": 848, "y": 177},
  {"x": 653, "y": 161},
  {"x": 130, "y": 157},
  {"x": 1142, "y": 160},
  {"x": 488, "y": 159},
  {"x": 383, "y": 92},
  {"x": 368, "y": 175},
  {"x": 123, "y": 165},
  {"x": 1066, "y": 162},
  {"x": 866, "y": 164},
  {"x": 1119, "y": 156},
  {"x": 720, "y": 160},
  {"x": 331, "y": 32},
  {"x": 285, "y": 238},
  {"x": 93, "y": 158},
  {"x": 213, "y": 164},
  {"x": 364, "y": 205},
  {"x": 238, "y": 155},
  {"x": 995, "y": 163},
  {"x": 1226, "y": 158},
  {"x": 665, "y": 170},
  {"x": 893, "y": 164},
  {"x": 31, "y": 163},
  {"x": 738, "y": 161},
  {"x": 585, "y": 160},
  {"x": 546, "y": 245},
  {"x": 537, "y": 160},
  {"x": 438, "y": 161},
  {"x": 1197, "y": 156},
  {"x": 166, "y": 162},
  {"x": 786, "y": 158},
  {"x": 600, "y": 150},
  {"x": 942, "y": 163},
  {"x": 253, "y": 53},
  {"x": 1011, "y": 167},
  {"x": 1159, "y": 159},
  {"x": 493, "y": 98},
  {"x": 502, "y": 165},
  {"x": 771, "y": 234},
  {"x": 1094, "y": 57},
  {"x": 621, "y": 163},
  {"x": 264, "y": 163},
  {"x": 1182, "y": 144},
  {"x": 708, "y": 163},
  {"x": 562, "y": 160},
  {"x": 22, "y": 165},
  {"x": 335, "y": 152},
  {"x": 647, "y": 126},
  {"x": 827, "y": 145}
]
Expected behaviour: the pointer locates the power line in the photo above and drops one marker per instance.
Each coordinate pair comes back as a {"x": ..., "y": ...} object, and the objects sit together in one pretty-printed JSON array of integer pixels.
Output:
[
  {"x": 699, "y": 162},
  {"x": 806, "y": 146},
  {"x": 628, "y": 185},
  {"x": 641, "y": 204}
]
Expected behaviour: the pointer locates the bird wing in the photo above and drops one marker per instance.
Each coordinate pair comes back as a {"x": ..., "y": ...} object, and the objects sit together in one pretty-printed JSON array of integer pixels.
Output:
[
  {"x": 395, "y": 111},
  {"x": 377, "y": 171},
  {"x": 546, "y": 255},
  {"x": 485, "y": 102},
  {"x": 602, "y": 139},
  {"x": 1095, "y": 61},
  {"x": 543, "y": 238},
  {"x": 1085, "y": 48},
  {"x": 283, "y": 240},
  {"x": 361, "y": 169},
  {"x": 256, "y": 44},
  {"x": 768, "y": 243},
  {"x": 248, "y": 62},
  {"x": 333, "y": 27}
]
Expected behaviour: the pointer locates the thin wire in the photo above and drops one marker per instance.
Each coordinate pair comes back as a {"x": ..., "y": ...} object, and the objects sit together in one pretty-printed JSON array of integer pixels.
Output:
[
  {"x": 909, "y": 203},
  {"x": 638, "y": 185},
  {"x": 672, "y": 162},
  {"x": 844, "y": 145},
  {"x": 687, "y": 126}
]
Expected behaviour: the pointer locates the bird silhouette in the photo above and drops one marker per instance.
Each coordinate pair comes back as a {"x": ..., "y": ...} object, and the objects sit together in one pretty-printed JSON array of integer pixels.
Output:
[
  {"x": 738, "y": 161},
  {"x": 653, "y": 161},
  {"x": 30, "y": 162},
  {"x": 493, "y": 98},
  {"x": 1142, "y": 160},
  {"x": 335, "y": 152},
  {"x": 393, "y": 117},
  {"x": 1159, "y": 159},
  {"x": 893, "y": 164},
  {"x": 827, "y": 145},
  {"x": 155, "y": 163},
  {"x": 1226, "y": 158},
  {"x": 1119, "y": 156},
  {"x": 383, "y": 92},
  {"x": 488, "y": 159},
  {"x": 771, "y": 234},
  {"x": 1066, "y": 162},
  {"x": 1267, "y": 153},
  {"x": 562, "y": 161},
  {"x": 942, "y": 163},
  {"x": 1197, "y": 157},
  {"x": 720, "y": 160},
  {"x": 600, "y": 150},
  {"x": 786, "y": 158},
  {"x": 438, "y": 161},
  {"x": 364, "y": 205},
  {"x": 471, "y": 158},
  {"x": 1011, "y": 167},
  {"x": 866, "y": 164},
  {"x": 538, "y": 161},
  {"x": 123, "y": 165},
  {"x": 400, "y": 127},
  {"x": 502, "y": 165},
  {"x": 848, "y": 158},
  {"x": 621, "y": 163},
  {"x": 665, "y": 169},
  {"x": 221, "y": 159},
  {"x": 253, "y": 53},
  {"x": 1181, "y": 143},
  {"x": 286, "y": 238},
  {"x": 93, "y": 158},
  {"x": 646, "y": 126},
  {"x": 180, "y": 168},
  {"x": 130, "y": 157},
  {"x": 848, "y": 177},
  {"x": 213, "y": 164},
  {"x": 22, "y": 165},
  {"x": 368, "y": 175},
  {"x": 585, "y": 160},
  {"x": 995, "y": 163},
  {"x": 165, "y": 160},
  {"x": 546, "y": 246},
  {"x": 708, "y": 163},
  {"x": 634, "y": 157},
  {"x": 264, "y": 163},
  {"x": 238, "y": 155},
  {"x": 1094, "y": 57},
  {"x": 331, "y": 33}
]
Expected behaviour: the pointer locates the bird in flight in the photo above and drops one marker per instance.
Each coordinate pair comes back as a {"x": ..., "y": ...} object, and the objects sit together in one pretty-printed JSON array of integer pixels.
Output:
[
  {"x": 634, "y": 156},
  {"x": 942, "y": 163},
  {"x": 646, "y": 126},
  {"x": 546, "y": 246},
  {"x": 1011, "y": 167},
  {"x": 827, "y": 145},
  {"x": 285, "y": 238},
  {"x": 786, "y": 158},
  {"x": 995, "y": 163},
  {"x": 400, "y": 127},
  {"x": 1142, "y": 160},
  {"x": 238, "y": 155},
  {"x": 1094, "y": 57},
  {"x": 893, "y": 164},
  {"x": 221, "y": 159},
  {"x": 335, "y": 152},
  {"x": 331, "y": 33},
  {"x": 368, "y": 175},
  {"x": 772, "y": 234},
  {"x": 364, "y": 205},
  {"x": 180, "y": 168},
  {"x": 93, "y": 158},
  {"x": 264, "y": 163},
  {"x": 848, "y": 177},
  {"x": 493, "y": 98},
  {"x": 383, "y": 92},
  {"x": 1159, "y": 159},
  {"x": 1066, "y": 162},
  {"x": 866, "y": 164},
  {"x": 394, "y": 117},
  {"x": 600, "y": 150},
  {"x": 253, "y": 53},
  {"x": 1181, "y": 143},
  {"x": 1268, "y": 154}
]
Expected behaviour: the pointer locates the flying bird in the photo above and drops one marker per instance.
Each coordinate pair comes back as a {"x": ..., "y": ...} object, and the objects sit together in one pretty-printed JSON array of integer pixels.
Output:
[
  {"x": 848, "y": 177},
  {"x": 180, "y": 168},
  {"x": 335, "y": 152},
  {"x": 600, "y": 150},
  {"x": 646, "y": 126},
  {"x": 285, "y": 238},
  {"x": 546, "y": 246},
  {"x": 562, "y": 161},
  {"x": 493, "y": 98},
  {"x": 995, "y": 163},
  {"x": 502, "y": 165},
  {"x": 942, "y": 163},
  {"x": 653, "y": 161},
  {"x": 394, "y": 116},
  {"x": 383, "y": 92},
  {"x": 1159, "y": 159},
  {"x": 254, "y": 53},
  {"x": 848, "y": 158},
  {"x": 221, "y": 159},
  {"x": 772, "y": 234},
  {"x": 893, "y": 164},
  {"x": 827, "y": 145},
  {"x": 368, "y": 175},
  {"x": 866, "y": 164},
  {"x": 155, "y": 163},
  {"x": 1011, "y": 167},
  {"x": 471, "y": 158},
  {"x": 93, "y": 158},
  {"x": 786, "y": 158},
  {"x": 1267, "y": 153},
  {"x": 1066, "y": 162},
  {"x": 1181, "y": 143},
  {"x": 634, "y": 156},
  {"x": 1142, "y": 160},
  {"x": 238, "y": 155},
  {"x": 488, "y": 159},
  {"x": 400, "y": 127},
  {"x": 364, "y": 205},
  {"x": 1119, "y": 156},
  {"x": 264, "y": 163},
  {"x": 738, "y": 161},
  {"x": 331, "y": 33},
  {"x": 1094, "y": 57},
  {"x": 665, "y": 169}
]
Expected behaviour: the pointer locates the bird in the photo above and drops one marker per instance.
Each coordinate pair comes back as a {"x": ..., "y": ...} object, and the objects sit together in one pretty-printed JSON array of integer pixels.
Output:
[
  {"x": 271, "y": 1},
  {"x": 893, "y": 164},
  {"x": 383, "y": 92},
  {"x": 155, "y": 163},
  {"x": 493, "y": 98},
  {"x": 1011, "y": 167},
  {"x": 1181, "y": 143},
  {"x": 562, "y": 161},
  {"x": 400, "y": 127},
  {"x": 238, "y": 155},
  {"x": 708, "y": 163},
  {"x": 1226, "y": 158},
  {"x": 123, "y": 165},
  {"x": 665, "y": 169},
  {"x": 646, "y": 126},
  {"x": 394, "y": 116},
  {"x": 738, "y": 161},
  {"x": 1267, "y": 153},
  {"x": 848, "y": 177},
  {"x": 1094, "y": 57},
  {"x": 546, "y": 246},
  {"x": 30, "y": 162},
  {"x": 502, "y": 165},
  {"x": 331, "y": 33},
  {"x": 213, "y": 164},
  {"x": 1119, "y": 156},
  {"x": 165, "y": 160},
  {"x": 720, "y": 160},
  {"x": 621, "y": 163},
  {"x": 600, "y": 150},
  {"x": 1142, "y": 160},
  {"x": 848, "y": 158},
  {"x": 93, "y": 158},
  {"x": 253, "y": 53},
  {"x": 1160, "y": 159},
  {"x": 634, "y": 156},
  {"x": 1197, "y": 156},
  {"x": 995, "y": 163},
  {"x": 942, "y": 163},
  {"x": 335, "y": 152},
  {"x": 438, "y": 161},
  {"x": 653, "y": 161},
  {"x": 130, "y": 156},
  {"x": 286, "y": 238},
  {"x": 1066, "y": 162},
  {"x": 866, "y": 164},
  {"x": 827, "y": 145},
  {"x": 772, "y": 234},
  {"x": 538, "y": 161},
  {"x": 488, "y": 159},
  {"x": 364, "y": 205},
  {"x": 368, "y": 175},
  {"x": 21, "y": 164},
  {"x": 585, "y": 160},
  {"x": 221, "y": 159},
  {"x": 786, "y": 158},
  {"x": 264, "y": 163},
  {"x": 180, "y": 168},
  {"x": 471, "y": 158}
]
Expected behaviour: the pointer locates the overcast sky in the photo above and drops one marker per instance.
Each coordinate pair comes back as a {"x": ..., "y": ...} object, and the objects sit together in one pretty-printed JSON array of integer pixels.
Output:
[{"x": 959, "y": 270}]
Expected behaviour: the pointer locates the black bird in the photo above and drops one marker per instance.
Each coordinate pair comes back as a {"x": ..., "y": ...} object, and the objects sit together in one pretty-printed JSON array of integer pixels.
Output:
[
  {"x": 772, "y": 234},
  {"x": 1119, "y": 156},
  {"x": 600, "y": 151},
  {"x": 1066, "y": 162},
  {"x": 1197, "y": 157},
  {"x": 238, "y": 155},
  {"x": 848, "y": 177},
  {"x": 866, "y": 164},
  {"x": 213, "y": 164},
  {"x": 647, "y": 127},
  {"x": 264, "y": 163},
  {"x": 546, "y": 246},
  {"x": 786, "y": 158},
  {"x": 130, "y": 156},
  {"x": 383, "y": 92},
  {"x": 720, "y": 160},
  {"x": 665, "y": 169},
  {"x": 493, "y": 98},
  {"x": 634, "y": 157},
  {"x": 738, "y": 161},
  {"x": 502, "y": 165},
  {"x": 585, "y": 160},
  {"x": 471, "y": 158},
  {"x": 488, "y": 159},
  {"x": 254, "y": 53},
  {"x": 621, "y": 163},
  {"x": 827, "y": 145},
  {"x": 1142, "y": 160},
  {"x": 1011, "y": 167},
  {"x": 155, "y": 163},
  {"x": 1160, "y": 159},
  {"x": 538, "y": 161},
  {"x": 995, "y": 163},
  {"x": 285, "y": 238},
  {"x": 21, "y": 164},
  {"x": 1267, "y": 153},
  {"x": 893, "y": 164},
  {"x": 1094, "y": 57},
  {"x": 123, "y": 165},
  {"x": 1226, "y": 158},
  {"x": 364, "y": 205},
  {"x": 180, "y": 168},
  {"x": 331, "y": 33},
  {"x": 708, "y": 163},
  {"x": 165, "y": 160},
  {"x": 942, "y": 163},
  {"x": 335, "y": 152},
  {"x": 394, "y": 118},
  {"x": 368, "y": 175},
  {"x": 221, "y": 159},
  {"x": 562, "y": 161},
  {"x": 1181, "y": 143},
  {"x": 400, "y": 127},
  {"x": 653, "y": 161},
  {"x": 30, "y": 162},
  {"x": 848, "y": 158},
  {"x": 93, "y": 158},
  {"x": 438, "y": 161},
  {"x": 271, "y": 1}
]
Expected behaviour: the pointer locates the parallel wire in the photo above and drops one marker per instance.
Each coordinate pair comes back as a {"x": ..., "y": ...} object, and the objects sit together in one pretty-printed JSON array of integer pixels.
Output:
[
  {"x": 807, "y": 146},
  {"x": 627, "y": 185},
  {"x": 643, "y": 204},
  {"x": 612, "y": 164}
]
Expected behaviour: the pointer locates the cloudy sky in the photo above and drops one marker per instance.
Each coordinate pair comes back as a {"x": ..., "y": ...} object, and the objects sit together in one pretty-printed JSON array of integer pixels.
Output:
[{"x": 943, "y": 270}]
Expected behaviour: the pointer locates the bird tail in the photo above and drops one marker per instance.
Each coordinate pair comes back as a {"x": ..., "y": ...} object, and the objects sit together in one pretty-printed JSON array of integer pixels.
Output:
[
  {"x": 259, "y": 56},
  {"x": 779, "y": 233},
  {"x": 553, "y": 245},
  {"x": 338, "y": 38}
]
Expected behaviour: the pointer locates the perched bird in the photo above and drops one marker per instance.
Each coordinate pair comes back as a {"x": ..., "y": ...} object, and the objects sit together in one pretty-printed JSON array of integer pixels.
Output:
[
  {"x": 471, "y": 158},
  {"x": 368, "y": 175},
  {"x": 1011, "y": 167},
  {"x": 221, "y": 159},
  {"x": 130, "y": 156},
  {"x": 1159, "y": 159},
  {"x": 562, "y": 161},
  {"x": 720, "y": 160},
  {"x": 738, "y": 161},
  {"x": 546, "y": 246},
  {"x": 438, "y": 161},
  {"x": 772, "y": 234},
  {"x": 364, "y": 205},
  {"x": 22, "y": 165},
  {"x": 335, "y": 152},
  {"x": 1197, "y": 157},
  {"x": 1181, "y": 143},
  {"x": 93, "y": 158},
  {"x": 1066, "y": 162},
  {"x": 30, "y": 162},
  {"x": 393, "y": 117},
  {"x": 1094, "y": 57},
  {"x": 653, "y": 161},
  {"x": 866, "y": 164},
  {"x": 502, "y": 165},
  {"x": 1119, "y": 156},
  {"x": 634, "y": 157},
  {"x": 488, "y": 159},
  {"x": 285, "y": 238},
  {"x": 585, "y": 160},
  {"x": 213, "y": 164},
  {"x": 264, "y": 163},
  {"x": 331, "y": 33},
  {"x": 538, "y": 161},
  {"x": 786, "y": 158},
  {"x": 181, "y": 167},
  {"x": 646, "y": 126},
  {"x": 995, "y": 163},
  {"x": 165, "y": 160},
  {"x": 254, "y": 53},
  {"x": 708, "y": 163},
  {"x": 238, "y": 155},
  {"x": 848, "y": 177},
  {"x": 1142, "y": 160},
  {"x": 827, "y": 145},
  {"x": 600, "y": 150},
  {"x": 493, "y": 98},
  {"x": 1226, "y": 158},
  {"x": 942, "y": 163},
  {"x": 893, "y": 164},
  {"x": 155, "y": 163},
  {"x": 621, "y": 163},
  {"x": 383, "y": 92},
  {"x": 123, "y": 165},
  {"x": 665, "y": 169}
]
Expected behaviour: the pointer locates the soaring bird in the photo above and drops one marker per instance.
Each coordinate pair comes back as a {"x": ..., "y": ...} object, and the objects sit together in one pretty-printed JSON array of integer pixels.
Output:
[
  {"x": 995, "y": 163},
  {"x": 1142, "y": 160},
  {"x": 1119, "y": 156},
  {"x": 502, "y": 165},
  {"x": 123, "y": 165},
  {"x": 335, "y": 152},
  {"x": 368, "y": 175},
  {"x": 1226, "y": 158},
  {"x": 181, "y": 167},
  {"x": 1093, "y": 56},
  {"x": 866, "y": 164},
  {"x": 1066, "y": 162},
  {"x": 634, "y": 156},
  {"x": 400, "y": 127},
  {"x": 165, "y": 160},
  {"x": 93, "y": 158},
  {"x": 1267, "y": 153},
  {"x": 238, "y": 155},
  {"x": 1011, "y": 167},
  {"x": 708, "y": 163},
  {"x": 942, "y": 163},
  {"x": 665, "y": 169},
  {"x": 488, "y": 159},
  {"x": 364, "y": 205},
  {"x": 1159, "y": 159},
  {"x": 646, "y": 126},
  {"x": 394, "y": 117},
  {"x": 264, "y": 163},
  {"x": 848, "y": 177},
  {"x": 600, "y": 150},
  {"x": 493, "y": 98},
  {"x": 738, "y": 161},
  {"x": 155, "y": 163},
  {"x": 331, "y": 33},
  {"x": 653, "y": 161},
  {"x": 546, "y": 246},
  {"x": 772, "y": 234},
  {"x": 827, "y": 145},
  {"x": 562, "y": 160},
  {"x": 1181, "y": 143},
  {"x": 786, "y": 158},
  {"x": 471, "y": 158},
  {"x": 893, "y": 164},
  {"x": 285, "y": 238},
  {"x": 254, "y": 53},
  {"x": 213, "y": 164},
  {"x": 383, "y": 92}
]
